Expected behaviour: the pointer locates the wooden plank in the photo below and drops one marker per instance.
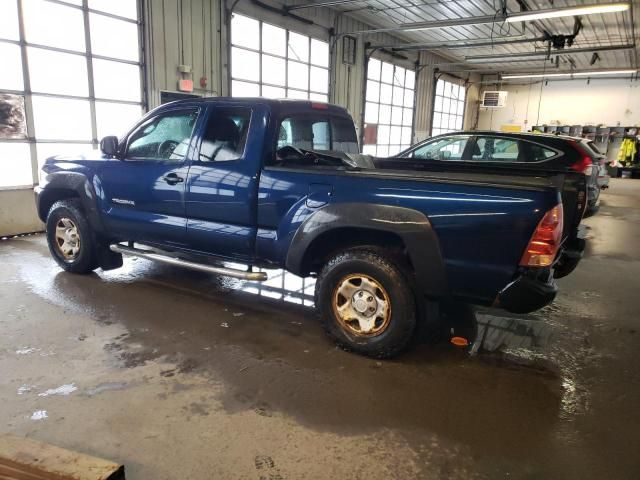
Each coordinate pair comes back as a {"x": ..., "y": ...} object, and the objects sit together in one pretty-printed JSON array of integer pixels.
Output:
[{"x": 27, "y": 459}]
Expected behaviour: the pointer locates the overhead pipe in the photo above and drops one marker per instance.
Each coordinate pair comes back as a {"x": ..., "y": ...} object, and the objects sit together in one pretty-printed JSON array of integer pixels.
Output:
[
  {"x": 566, "y": 51},
  {"x": 455, "y": 46}
]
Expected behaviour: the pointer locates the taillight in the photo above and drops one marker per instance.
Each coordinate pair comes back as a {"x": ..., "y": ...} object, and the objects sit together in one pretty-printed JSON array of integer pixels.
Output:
[
  {"x": 585, "y": 164},
  {"x": 545, "y": 241}
]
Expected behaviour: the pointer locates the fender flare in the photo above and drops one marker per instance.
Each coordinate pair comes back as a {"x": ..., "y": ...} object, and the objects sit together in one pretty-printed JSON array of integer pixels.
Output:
[
  {"x": 412, "y": 226},
  {"x": 70, "y": 181}
]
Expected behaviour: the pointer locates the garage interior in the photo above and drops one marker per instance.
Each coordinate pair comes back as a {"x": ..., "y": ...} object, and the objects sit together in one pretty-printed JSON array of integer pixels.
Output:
[{"x": 181, "y": 374}]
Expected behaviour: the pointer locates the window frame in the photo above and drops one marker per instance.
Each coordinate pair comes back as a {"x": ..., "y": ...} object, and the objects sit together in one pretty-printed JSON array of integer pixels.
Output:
[
  {"x": 270, "y": 161},
  {"x": 126, "y": 144},
  {"x": 391, "y": 105},
  {"x": 473, "y": 137},
  {"x": 286, "y": 58},
  {"x": 204, "y": 119},
  {"x": 32, "y": 138},
  {"x": 442, "y": 112},
  {"x": 558, "y": 153}
]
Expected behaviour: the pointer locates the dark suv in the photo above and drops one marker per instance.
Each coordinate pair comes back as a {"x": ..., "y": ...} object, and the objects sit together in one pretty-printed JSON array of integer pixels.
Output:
[{"x": 548, "y": 152}]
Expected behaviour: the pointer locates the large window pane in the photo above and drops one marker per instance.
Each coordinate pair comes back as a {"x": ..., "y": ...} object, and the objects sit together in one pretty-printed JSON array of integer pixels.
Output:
[
  {"x": 54, "y": 72},
  {"x": 318, "y": 97},
  {"x": 245, "y": 32},
  {"x": 297, "y": 94},
  {"x": 273, "y": 92},
  {"x": 122, "y": 8},
  {"x": 61, "y": 118},
  {"x": 449, "y": 101},
  {"x": 371, "y": 113},
  {"x": 387, "y": 72},
  {"x": 54, "y": 25},
  {"x": 117, "y": 81},
  {"x": 373, "y": 69},
  {"x": 273, "y": 70},
  {"x": 319, "y": 53},
  {"x": 114, "y": 38},
  {"x": 298, "y": 75},
  {"x": 15, "y": 165},
  {"x": 244, "y": 89},
  {"x": 319, "y": 79},
  {"x": 11, "y": 71},
  {"x": 298, "y": 47},
  {"x": 274, "y": 40},
  {"x": 9, "y": 19},
  {"x": 116, "y": 118},
  {"x": 244, "y": 64}
]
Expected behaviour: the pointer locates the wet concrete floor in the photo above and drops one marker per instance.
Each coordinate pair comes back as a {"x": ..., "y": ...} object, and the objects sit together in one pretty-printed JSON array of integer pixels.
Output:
[{"x": 181, "y": 375}]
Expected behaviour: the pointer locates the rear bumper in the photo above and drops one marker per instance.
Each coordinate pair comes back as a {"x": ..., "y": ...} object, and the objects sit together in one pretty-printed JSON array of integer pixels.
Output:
[{"x": 532, "y": 290}]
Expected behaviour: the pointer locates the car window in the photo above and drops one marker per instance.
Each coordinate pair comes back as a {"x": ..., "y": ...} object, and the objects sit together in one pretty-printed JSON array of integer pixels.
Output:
[
  {"x": 442, "y": 148},
  {"x": 495, "y": 149},
  {"x": 323, "y": 133},
  {"x": 509, "y": 150},
  {"x": 225, "y": 134},
  {"x": 163, "y": 137},
  {"x": 537, "y": 153}
]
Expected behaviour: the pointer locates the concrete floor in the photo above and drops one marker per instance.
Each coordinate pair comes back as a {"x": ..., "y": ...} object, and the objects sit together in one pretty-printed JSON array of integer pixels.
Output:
[{"x": 182, "y": 375}]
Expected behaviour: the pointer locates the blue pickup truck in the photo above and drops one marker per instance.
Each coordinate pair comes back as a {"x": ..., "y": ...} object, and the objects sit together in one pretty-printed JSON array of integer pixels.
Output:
[{"x": 280, "y": 184}]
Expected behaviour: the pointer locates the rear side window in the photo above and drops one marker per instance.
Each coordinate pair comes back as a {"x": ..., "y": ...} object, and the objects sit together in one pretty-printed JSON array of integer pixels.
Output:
[
  {"x": 494, "y": 149},
  {"x": 315, "y": 132},
  {"x": 509, "y": 150}
]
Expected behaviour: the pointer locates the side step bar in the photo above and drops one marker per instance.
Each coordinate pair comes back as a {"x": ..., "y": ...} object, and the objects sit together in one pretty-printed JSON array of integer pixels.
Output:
[{"x": 158, "y": 257}]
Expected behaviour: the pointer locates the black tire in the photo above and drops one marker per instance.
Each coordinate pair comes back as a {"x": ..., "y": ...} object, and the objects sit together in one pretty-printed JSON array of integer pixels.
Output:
[
  {"x": 396, "y": 328},
  {"x": 84, "y": 261}
]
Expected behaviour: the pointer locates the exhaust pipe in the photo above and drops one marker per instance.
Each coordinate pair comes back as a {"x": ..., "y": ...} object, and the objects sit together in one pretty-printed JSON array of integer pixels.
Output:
[{"x": 163, "y": 258}]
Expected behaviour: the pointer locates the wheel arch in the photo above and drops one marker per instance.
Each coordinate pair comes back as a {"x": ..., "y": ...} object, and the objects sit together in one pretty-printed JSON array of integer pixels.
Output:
[
  {"x": 67, "y": 185},
  {"x": 341, "y": 226}
]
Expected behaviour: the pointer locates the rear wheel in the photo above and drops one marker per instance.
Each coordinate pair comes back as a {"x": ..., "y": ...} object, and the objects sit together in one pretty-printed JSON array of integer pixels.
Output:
[
  {"x": 70, "y": 239},
  {"x": 366, "y": 302}
]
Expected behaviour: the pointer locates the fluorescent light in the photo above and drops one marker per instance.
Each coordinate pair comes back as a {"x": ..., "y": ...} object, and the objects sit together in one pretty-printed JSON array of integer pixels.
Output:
[
  {"x": 566, "y": 12},
  {"x": 569, "y": 74}
]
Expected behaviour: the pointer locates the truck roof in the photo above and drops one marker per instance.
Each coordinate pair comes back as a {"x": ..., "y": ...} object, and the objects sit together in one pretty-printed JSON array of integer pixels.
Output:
[{"x": 277, "y": 105}]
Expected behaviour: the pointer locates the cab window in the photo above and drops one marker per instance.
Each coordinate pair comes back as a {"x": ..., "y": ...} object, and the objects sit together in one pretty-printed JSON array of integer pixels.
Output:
[
  {"x": 225, "y": 134},
  {"x": 443, "y": 148},
  {"x": 163, "y": 137},
  {"x": 317, "y": 132}
]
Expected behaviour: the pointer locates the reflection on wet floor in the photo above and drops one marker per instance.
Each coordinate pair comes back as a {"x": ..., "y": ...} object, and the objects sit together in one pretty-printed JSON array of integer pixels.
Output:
[{"x": 518, "y": 339}]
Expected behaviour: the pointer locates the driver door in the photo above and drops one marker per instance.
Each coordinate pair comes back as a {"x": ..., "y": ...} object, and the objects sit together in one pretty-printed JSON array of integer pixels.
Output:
[{"x": 144, "y": 189}]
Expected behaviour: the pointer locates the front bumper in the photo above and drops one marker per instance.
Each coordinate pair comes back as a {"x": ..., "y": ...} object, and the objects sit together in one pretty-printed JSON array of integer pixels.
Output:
[{"x": 532, "y": 290}]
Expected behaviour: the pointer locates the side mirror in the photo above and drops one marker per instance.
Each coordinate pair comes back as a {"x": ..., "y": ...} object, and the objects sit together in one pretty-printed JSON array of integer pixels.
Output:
[{"x": 109, "y": 145}]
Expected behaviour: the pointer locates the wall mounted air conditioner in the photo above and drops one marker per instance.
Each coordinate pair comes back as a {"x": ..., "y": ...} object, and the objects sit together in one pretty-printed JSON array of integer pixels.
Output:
[{"x": 495, "y": 99}]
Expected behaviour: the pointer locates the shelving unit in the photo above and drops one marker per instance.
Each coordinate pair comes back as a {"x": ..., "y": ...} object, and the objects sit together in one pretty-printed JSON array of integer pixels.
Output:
[{"x": 606, "y": 138}]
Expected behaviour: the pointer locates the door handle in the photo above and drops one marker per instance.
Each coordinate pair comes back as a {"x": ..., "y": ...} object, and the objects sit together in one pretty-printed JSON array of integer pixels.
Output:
[{"x": 172, "y": 179}]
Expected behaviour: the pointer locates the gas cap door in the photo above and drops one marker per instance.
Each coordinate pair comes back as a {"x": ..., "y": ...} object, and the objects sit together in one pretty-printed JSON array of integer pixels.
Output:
[{"x": 319, "y": 195}]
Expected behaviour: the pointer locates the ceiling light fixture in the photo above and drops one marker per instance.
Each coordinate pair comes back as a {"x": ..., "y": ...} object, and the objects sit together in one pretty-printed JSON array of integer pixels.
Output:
[
  {"x": 569, "y": 74},
  {"x": 527, "y": 16}
]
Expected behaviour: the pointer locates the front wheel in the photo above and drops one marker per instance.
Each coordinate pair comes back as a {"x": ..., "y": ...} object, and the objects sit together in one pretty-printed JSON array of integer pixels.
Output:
[
  {"x": 70, "y": 238},
  {"x": 366, "y": 302}
]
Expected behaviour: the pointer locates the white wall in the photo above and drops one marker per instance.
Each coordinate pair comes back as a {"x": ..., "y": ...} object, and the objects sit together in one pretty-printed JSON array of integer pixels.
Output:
[{"x": 571, "y": 102}]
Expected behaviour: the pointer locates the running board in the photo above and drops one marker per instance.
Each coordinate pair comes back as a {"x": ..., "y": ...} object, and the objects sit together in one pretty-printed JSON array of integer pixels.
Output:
[{"x": 158, "y": 257}]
